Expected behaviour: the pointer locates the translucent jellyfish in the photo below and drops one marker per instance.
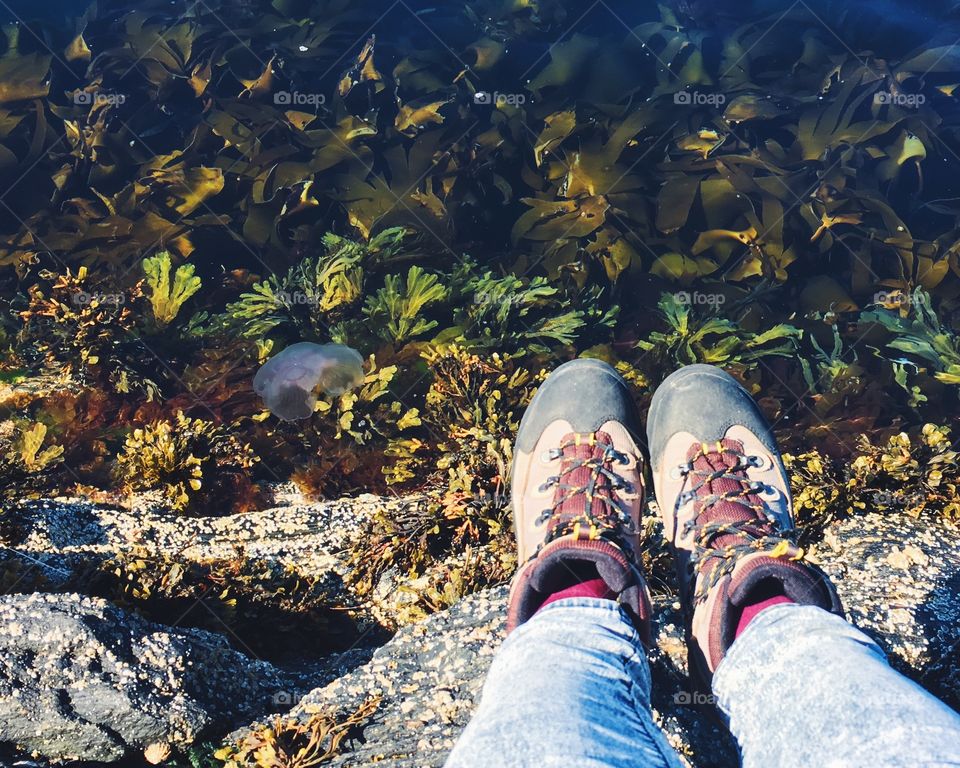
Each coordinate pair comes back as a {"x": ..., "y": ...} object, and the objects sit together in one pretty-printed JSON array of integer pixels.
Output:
[{"x": 290, "y": 380}]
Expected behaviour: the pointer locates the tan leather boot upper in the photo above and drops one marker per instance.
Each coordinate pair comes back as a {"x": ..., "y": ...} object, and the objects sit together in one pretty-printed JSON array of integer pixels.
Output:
[
  {"x": 577, "y": 490},
  {"x": 725, "y": 501}
]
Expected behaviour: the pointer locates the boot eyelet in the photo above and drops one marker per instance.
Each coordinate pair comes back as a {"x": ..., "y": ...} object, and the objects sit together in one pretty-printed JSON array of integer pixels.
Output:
[
  {"x": 624, "y": 459},
  {"x": 768, "y": 492},
  {"x": 680, "y": 471},
  {"x": 544, "y": 488},
  {"x": 760, "y": 461},
  {"x": 550, "y": 455}
]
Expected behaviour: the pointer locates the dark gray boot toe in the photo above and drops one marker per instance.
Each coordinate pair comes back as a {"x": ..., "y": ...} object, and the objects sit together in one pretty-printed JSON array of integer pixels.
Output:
[
  {"x": 705, "y": 401},
  {"x": 585, "y": 392}
]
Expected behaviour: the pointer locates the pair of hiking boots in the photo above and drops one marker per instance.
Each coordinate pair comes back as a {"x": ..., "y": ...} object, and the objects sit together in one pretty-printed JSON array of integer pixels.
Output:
[{"x": 578, "y": 493}]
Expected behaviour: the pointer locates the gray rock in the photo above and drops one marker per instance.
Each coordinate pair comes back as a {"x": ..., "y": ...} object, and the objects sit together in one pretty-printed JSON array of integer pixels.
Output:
[
  {"x": 898, "y": 576},
  {"x": 82, "y": 679},
  {"x": 429, "y": 677},
  {"x": 64, "y": 534},
  {"x": 899, "y": 579}
]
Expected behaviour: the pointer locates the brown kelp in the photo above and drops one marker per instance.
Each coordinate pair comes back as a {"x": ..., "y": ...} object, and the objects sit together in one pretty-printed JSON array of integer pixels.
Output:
[
  {"x": 292, "y": 743},
  {"x": 467, "y": 195}
]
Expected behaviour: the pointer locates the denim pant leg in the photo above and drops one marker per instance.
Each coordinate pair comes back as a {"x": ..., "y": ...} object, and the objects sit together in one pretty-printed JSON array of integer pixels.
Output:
[
  {"x": 803, "y": 687},
  {"x": 571, "y": 687}
]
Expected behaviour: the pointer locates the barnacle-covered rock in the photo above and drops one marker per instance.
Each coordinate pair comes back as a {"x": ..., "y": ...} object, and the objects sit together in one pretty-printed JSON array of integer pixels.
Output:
[
  {"x": 85, "y": 680},
  {"x": 896, "y": 574}
]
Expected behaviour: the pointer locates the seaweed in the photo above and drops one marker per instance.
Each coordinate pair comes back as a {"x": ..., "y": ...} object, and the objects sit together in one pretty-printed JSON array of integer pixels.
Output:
[
  {"x": 397, "y": 309},
  {"x": 239, "y": 594},
  {"x": 296, "y": 743},
  {"x": 919, "y": 335},
  {"x": 193, "y": 190},
  {"x": 28, "y": 458},
  {"x": 315, "y": 293},
  {"x": 167, "y": 297},
  {"x": 915, "y": 471},
  {"x": 692, "y": 338},
  {"x": 196, "y": 465},
  {"x": 88, "y": 326}
]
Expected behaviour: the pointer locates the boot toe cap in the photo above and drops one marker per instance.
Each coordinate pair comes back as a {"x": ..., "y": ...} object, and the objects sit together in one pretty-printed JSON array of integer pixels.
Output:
[
  {"x": 705, "y": 401},
  {"x": 584, "y": 392}
]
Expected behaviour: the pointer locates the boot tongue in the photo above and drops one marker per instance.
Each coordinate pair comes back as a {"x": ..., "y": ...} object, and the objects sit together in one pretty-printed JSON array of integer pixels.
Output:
[
  {"x": 582, "y": 487},
  {"x": 724, "y": 455}
]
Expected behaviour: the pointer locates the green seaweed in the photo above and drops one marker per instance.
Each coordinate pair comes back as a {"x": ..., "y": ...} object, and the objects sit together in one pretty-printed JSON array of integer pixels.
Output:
[
  {"x": 715, "y": 340},
  {"x": 167, "y": 297},
  {"x": 185, "y": 201},
  {"x": 398, "y": 308}
]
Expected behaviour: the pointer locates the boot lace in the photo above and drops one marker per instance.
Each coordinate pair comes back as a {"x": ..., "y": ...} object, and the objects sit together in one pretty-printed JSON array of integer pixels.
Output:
[
  {"x": 586, "y": 502},
  {"x": 731, "y": 520}
]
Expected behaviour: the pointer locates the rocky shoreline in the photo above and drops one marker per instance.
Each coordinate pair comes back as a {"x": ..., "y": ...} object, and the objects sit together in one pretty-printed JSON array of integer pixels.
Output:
[{"x": 83, "y": 679}]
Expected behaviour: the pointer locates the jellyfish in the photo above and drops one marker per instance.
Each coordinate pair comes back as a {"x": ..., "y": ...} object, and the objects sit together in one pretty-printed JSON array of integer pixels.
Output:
[{"x": 289, "y": 381}]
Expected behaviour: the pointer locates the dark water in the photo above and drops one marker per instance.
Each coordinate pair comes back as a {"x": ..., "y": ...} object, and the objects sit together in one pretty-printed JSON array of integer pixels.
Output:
[
  {"x": 886, "y": 29},
  {"x": 859, "y": 22}
]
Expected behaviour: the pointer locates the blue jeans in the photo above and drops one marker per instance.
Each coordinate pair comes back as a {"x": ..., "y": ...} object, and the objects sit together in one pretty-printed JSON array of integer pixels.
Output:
[{"x": 801, "y": 687}]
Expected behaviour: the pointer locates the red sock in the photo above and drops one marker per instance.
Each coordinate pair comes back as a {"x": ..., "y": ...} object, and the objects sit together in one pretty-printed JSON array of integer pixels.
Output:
[
  {"x": 589, "y": 588},
  {"x": 750, "y": 611}
]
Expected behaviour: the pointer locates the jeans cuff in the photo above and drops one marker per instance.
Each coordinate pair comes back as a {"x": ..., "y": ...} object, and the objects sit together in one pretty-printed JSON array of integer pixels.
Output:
[{"x": 599, "y": 603}]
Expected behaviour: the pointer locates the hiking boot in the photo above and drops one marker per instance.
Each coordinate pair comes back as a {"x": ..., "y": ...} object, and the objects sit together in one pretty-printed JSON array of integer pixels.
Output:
[
  {"x": 577, "y": 491},
  {"x": 725, "y": 502}
]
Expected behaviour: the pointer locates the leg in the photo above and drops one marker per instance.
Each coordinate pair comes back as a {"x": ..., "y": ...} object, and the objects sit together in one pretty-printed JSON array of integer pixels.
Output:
[
  {"x": 725, "y": 502},
  {"x": 570, "y": 687},
  {"x": 803, "y": 687}
]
